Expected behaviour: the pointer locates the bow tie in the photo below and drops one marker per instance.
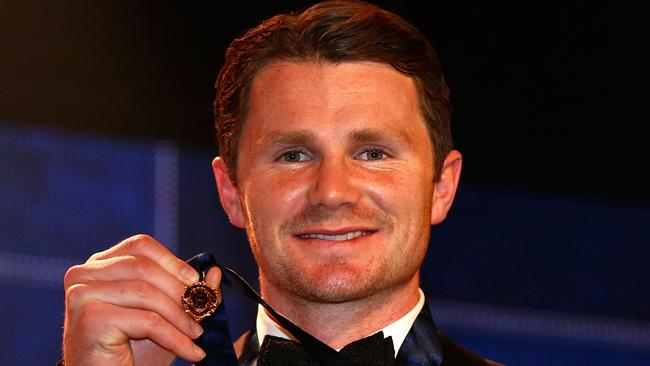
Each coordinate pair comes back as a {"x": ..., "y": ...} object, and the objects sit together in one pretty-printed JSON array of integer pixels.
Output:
[{"x": 374, "y": 350}]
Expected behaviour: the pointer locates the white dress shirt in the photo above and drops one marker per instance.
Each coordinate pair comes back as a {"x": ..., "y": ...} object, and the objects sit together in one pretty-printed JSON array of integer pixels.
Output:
[{"x": 397, "y": 330}]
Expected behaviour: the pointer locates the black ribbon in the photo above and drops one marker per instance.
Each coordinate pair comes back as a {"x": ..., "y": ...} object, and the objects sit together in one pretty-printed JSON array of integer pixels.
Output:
[
  {"x": 216, "y": 337},
  {"x": 215, "y": 340}
]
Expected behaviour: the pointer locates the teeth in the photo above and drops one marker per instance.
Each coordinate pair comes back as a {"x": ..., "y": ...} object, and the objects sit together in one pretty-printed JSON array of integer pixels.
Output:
[{"x": 341, "y": 237}]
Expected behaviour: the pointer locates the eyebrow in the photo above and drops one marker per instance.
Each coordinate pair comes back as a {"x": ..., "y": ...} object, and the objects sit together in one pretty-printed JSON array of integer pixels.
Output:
[
  {"x": 297, "y": 137},
  {"x": 370, "y": 135},
  {"x": 361, "y": 136}
]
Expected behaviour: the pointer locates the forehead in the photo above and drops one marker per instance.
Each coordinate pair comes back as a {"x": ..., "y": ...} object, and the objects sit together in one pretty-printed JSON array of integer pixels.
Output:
[
  {"x": 332, "y": 85},
  {"x": 286, "y": 94}
]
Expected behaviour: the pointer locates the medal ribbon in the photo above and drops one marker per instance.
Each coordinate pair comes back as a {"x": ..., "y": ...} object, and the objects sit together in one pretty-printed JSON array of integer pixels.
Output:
[{"x": 216, "y": 340}]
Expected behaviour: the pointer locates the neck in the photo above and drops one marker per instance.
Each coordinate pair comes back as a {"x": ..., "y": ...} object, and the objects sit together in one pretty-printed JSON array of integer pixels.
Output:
[{"x": 340, "y": 323}]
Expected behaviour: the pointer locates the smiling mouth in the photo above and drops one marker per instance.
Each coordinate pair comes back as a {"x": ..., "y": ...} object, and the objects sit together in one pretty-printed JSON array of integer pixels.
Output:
[{"x": 339, "y": 237}]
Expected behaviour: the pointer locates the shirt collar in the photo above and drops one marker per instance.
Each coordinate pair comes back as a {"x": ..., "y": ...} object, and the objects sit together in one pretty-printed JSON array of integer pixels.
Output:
[{"x": 397, "y": 330}]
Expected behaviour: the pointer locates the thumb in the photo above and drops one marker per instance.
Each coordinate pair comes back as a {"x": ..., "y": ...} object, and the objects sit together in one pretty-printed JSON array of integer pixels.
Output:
[{"x": 213, "y": 277}]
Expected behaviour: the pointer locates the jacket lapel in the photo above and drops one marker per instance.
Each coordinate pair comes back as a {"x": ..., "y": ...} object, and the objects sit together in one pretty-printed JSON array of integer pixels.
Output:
[{"x": 421, "y": 346}]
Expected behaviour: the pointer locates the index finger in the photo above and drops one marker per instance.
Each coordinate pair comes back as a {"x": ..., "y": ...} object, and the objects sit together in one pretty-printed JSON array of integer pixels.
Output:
[{"x": 146, "y": 246}]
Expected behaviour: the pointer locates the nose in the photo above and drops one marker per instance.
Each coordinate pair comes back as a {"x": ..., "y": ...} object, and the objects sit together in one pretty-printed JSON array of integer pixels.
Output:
[{"x": 334, "y": 185}]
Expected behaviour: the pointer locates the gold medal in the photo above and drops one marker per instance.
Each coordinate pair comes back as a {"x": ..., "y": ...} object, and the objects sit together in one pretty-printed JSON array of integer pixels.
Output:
[{"x": 200, "y": 300}]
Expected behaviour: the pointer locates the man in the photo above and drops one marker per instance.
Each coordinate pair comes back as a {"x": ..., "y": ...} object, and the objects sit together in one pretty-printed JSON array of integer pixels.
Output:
[{"x": 335, "y": 157}]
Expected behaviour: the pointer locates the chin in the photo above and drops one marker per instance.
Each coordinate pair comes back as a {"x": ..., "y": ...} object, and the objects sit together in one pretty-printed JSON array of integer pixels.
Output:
[{"x": 336, "y": 283}]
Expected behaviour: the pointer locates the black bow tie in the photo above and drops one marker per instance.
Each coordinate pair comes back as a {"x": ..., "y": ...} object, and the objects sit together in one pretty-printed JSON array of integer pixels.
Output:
[{"x": 374, "y": 350}]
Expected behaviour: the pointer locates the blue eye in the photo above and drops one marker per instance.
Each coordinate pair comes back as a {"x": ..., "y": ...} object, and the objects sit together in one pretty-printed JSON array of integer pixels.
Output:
[
  {"x": 294, "y": 156},
  {"x": 372, "y": 154}
]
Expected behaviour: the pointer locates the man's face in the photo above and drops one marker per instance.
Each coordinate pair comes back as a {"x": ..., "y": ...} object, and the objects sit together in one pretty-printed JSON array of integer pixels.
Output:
[{"x": 335, "y": 180}]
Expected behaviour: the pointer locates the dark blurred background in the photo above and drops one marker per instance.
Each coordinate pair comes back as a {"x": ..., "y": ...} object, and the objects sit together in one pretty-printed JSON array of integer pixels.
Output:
[
  {"x": 106, "y": 131},
  {"x": 547, "y": 96}
]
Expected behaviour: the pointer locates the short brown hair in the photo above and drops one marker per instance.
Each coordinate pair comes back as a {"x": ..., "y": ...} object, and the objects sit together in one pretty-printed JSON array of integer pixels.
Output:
[{"x": 331, "y": 31}]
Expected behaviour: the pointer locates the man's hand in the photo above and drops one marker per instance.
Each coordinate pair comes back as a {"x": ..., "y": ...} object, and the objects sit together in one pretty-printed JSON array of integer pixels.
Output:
[{"x": 123, "y": 307}]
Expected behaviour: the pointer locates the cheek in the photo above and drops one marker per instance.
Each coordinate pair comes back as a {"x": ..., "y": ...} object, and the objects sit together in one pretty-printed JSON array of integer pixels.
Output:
[
  {"x": 284, "y": 192},
  {"x": 399, "y": 191},
  {"x": 272, "y": 198}
]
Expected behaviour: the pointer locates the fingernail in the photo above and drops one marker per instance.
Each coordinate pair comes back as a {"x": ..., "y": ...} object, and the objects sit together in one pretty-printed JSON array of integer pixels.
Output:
[
  {"x": 200, "y": 354},
  {"x": 189, "y": 275},
  {"x": 196, "y": 328}
]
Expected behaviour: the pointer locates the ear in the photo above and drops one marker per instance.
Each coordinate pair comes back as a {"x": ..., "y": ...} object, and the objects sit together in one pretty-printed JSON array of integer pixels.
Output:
[
  {"x": 445, "y": 189},
  {"x": 228, "y": 193}
]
